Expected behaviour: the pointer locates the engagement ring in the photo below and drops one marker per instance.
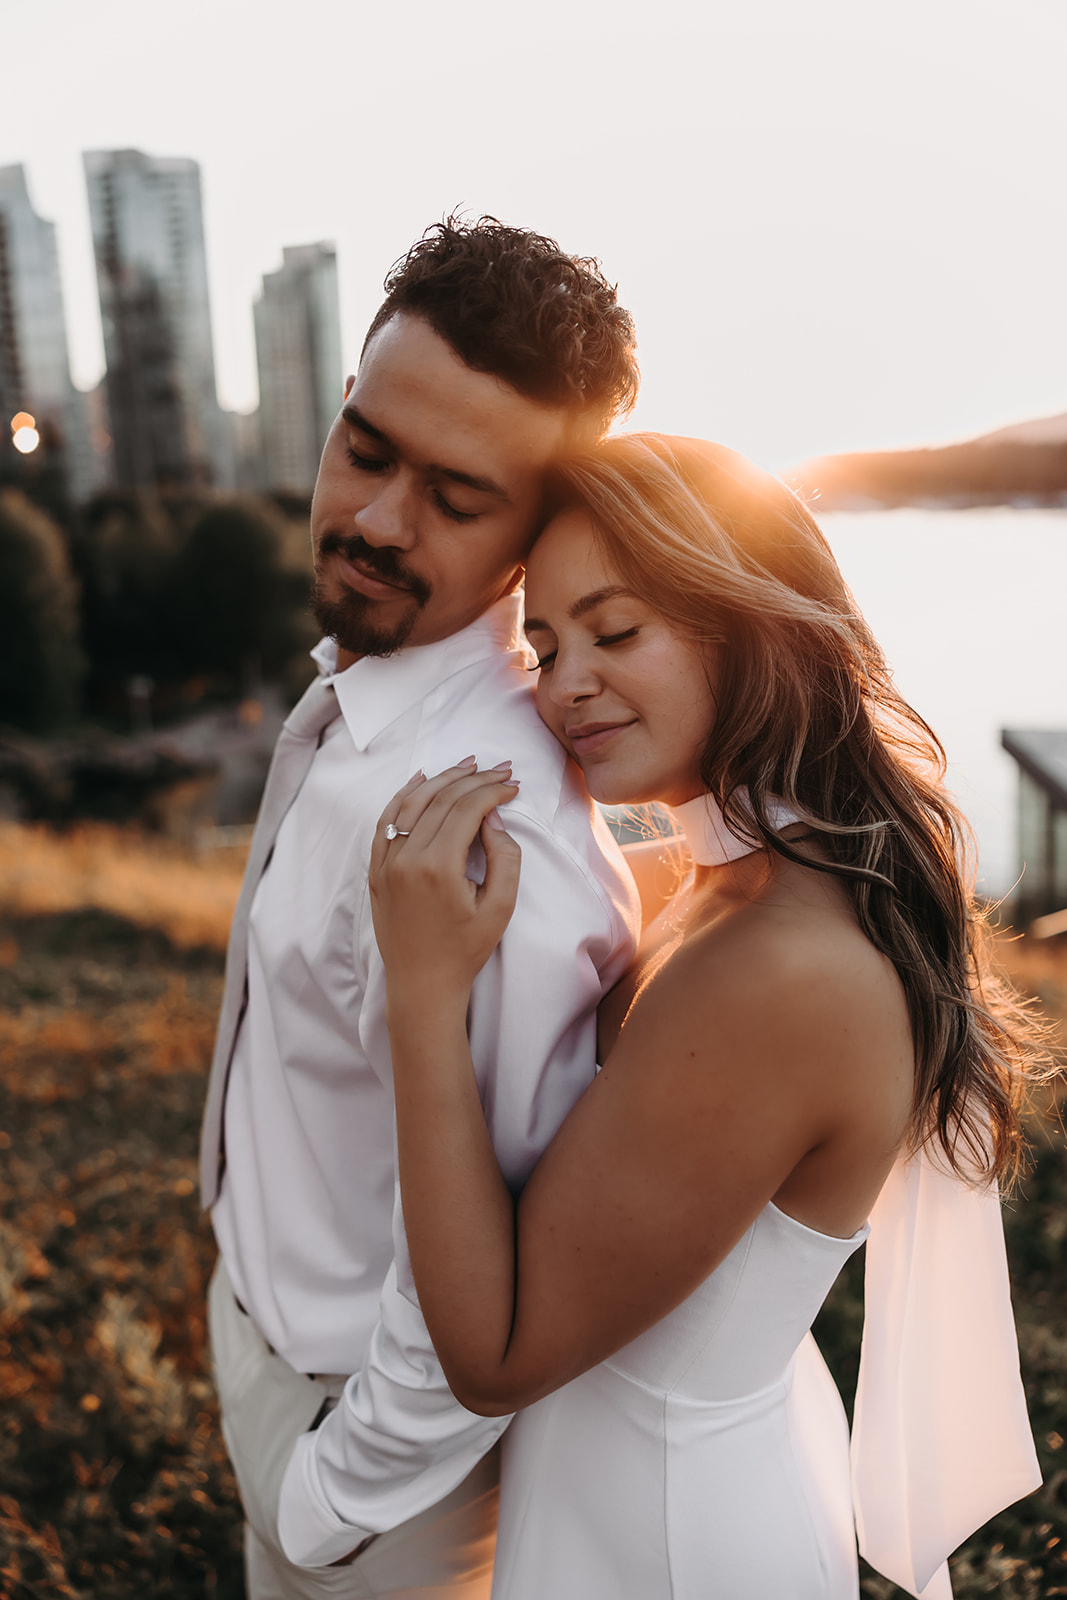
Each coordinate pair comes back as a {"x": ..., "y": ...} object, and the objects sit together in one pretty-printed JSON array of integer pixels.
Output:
[{"x": 393, "y": 832}]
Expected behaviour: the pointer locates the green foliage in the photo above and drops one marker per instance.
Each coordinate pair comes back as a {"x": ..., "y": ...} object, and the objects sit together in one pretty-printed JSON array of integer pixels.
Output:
[
  {"x": 125, "y": 553},
  {"x": 209, "y": 588},
  {"x": 233, "y": 603},
  {"x": 41, "y": 664}
]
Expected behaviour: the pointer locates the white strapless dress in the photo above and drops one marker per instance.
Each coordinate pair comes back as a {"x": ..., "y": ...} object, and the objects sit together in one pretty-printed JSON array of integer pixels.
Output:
[{"x": 707, "y": 1460}]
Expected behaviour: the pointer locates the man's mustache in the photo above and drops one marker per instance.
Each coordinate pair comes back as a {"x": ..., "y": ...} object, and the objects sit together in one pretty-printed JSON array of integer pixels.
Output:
[{"x": 383, "y": 562}]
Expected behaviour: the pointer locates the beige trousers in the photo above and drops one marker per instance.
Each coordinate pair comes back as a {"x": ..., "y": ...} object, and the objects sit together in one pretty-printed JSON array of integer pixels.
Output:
[{"x": 444, "y": 1552}]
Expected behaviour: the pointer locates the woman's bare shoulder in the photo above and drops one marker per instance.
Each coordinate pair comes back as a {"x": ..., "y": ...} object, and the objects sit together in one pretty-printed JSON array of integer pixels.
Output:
[
  {"x": 783, "y": 1042},
  {"x": 793, "y": 986}
]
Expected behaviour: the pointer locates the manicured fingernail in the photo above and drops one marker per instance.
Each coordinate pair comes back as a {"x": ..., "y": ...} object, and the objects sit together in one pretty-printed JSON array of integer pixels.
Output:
[
  {"x": 468, "y": 761},
  {"x": 416, "y": 777},
  {"x": 501, "y": 766},
  {"x": 494, "y": 821}
]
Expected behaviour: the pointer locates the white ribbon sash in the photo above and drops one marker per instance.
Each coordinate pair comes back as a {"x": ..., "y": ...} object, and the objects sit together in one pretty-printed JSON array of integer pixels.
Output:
[{"x": 940, "y": 1438}]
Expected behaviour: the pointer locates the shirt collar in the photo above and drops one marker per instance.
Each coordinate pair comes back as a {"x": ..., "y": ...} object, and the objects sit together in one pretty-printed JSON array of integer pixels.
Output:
[{"x": 375, "y": 690}]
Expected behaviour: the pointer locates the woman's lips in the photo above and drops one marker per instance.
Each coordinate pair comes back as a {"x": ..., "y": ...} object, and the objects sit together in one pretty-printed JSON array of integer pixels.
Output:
[
  {"x": 367, "y": 583},
  {"x": 589, "y": 736}
]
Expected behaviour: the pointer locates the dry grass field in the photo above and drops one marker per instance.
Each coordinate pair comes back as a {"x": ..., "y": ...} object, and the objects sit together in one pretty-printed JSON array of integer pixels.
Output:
[
  {"x": 113, "y": 1480},
  {"x": 147, "y": 880}
]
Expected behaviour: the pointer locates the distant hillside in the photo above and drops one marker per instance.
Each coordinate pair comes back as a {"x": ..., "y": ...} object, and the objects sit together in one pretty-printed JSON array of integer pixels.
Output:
[
  {"x": 1022, "y": 464},
  {"x": 1044, "y": 430}
]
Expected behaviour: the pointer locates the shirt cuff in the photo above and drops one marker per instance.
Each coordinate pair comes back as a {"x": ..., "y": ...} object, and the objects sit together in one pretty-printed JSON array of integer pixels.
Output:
[{"x": 309, "y": 1530}]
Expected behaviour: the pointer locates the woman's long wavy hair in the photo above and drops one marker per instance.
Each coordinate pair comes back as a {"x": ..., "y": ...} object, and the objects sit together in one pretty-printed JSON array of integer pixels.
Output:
[{"x": 806, "y": 711}]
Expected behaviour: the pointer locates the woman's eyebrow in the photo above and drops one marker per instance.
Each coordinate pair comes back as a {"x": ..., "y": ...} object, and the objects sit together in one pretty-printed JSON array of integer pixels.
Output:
[{"x": 588, "y": 602}]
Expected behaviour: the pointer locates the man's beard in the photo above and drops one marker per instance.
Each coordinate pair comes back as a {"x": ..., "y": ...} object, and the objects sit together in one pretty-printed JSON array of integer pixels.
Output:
[{"x": 350, "y": 618}]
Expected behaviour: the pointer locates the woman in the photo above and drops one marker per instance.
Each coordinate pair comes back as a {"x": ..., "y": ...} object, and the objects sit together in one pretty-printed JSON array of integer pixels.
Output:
[{"x": 811, "y": 1006}]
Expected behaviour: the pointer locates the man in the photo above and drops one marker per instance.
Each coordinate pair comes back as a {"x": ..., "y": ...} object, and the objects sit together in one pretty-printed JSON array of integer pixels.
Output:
[{"x": 359, "y": 1472}]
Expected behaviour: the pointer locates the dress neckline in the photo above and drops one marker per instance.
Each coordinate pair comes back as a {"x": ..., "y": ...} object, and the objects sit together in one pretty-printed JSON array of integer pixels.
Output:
[
  {"x": 711, "y": 842},
  {"x": 856, "y": 1238}
]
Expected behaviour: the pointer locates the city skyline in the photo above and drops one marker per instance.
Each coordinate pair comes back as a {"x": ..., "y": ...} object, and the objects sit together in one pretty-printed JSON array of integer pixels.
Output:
[
  {"x": 35, "y": 379},
  {"x": 153, "y": 418},
  {"x": 298, "y": 360},
  {"x": 837, "y": 228},
  {"x": 151, "y": 272},
  {"x": 296, "y": 319}
]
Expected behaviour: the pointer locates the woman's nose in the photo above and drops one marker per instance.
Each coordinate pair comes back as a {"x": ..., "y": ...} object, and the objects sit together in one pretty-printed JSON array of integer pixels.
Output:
[{"x": 572, "y": 679}]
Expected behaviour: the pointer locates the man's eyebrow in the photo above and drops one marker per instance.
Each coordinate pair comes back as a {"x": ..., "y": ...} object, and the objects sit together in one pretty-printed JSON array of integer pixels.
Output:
[
  {"x": 469, "y": 481},
  {"x": 354, "y": 417},
  {"x": 587, "y": 603}
]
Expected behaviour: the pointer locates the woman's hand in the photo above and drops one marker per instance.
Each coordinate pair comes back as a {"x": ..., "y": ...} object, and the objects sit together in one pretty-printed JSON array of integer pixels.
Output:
[{"x": 436, "y": 928}]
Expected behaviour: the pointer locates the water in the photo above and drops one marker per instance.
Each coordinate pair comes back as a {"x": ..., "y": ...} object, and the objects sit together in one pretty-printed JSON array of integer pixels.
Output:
[{"x": 971, "y": 610}]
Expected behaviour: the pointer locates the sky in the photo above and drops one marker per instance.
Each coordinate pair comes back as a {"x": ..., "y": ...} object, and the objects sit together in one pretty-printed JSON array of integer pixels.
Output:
[{"x": 839, "y": 225}]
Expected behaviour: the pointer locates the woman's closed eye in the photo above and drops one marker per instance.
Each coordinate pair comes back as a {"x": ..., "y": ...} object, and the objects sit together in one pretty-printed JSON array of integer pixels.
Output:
[{"x": 544, "y": 663}]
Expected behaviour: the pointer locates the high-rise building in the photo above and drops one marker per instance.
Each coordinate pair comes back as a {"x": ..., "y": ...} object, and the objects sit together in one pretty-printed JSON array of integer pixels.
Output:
[
  {"x": 151, "y": 271},
  {"x": 34, "y": 362},
  {"x": 298, "y": 354}
]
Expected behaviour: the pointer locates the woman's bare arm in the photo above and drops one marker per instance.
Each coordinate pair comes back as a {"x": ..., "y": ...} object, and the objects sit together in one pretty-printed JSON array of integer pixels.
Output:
[
  {"x": 736, "y": 1064},
  {"x": 435, "y": 930}
]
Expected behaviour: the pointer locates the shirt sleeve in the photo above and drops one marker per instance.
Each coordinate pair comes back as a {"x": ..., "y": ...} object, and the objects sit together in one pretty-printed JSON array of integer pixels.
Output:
[{"x": 399, "y": 1441}]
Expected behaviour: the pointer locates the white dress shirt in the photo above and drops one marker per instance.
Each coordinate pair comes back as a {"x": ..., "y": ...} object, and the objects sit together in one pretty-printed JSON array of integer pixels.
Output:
[{"x": 308, "y": 1219}]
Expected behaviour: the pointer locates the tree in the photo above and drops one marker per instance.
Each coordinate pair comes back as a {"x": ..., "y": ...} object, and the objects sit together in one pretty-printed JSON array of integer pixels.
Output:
[
  {"x": 125, "y": 555},
  {"x": 188, "y": 587},
  {"x": 236, "y": 605},
  {"x": 41, "y": 663}
]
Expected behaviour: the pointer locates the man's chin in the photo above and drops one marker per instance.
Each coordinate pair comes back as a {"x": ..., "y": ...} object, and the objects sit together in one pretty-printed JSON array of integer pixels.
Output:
[{"x": 352, "y": 622}]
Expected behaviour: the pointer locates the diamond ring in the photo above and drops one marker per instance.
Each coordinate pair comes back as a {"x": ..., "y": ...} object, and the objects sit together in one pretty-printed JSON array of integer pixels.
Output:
[{"x": 393, "y": 832}]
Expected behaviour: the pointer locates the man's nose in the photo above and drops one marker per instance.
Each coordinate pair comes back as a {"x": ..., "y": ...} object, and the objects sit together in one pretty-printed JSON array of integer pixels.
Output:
[{"x": 388, "y": 517}]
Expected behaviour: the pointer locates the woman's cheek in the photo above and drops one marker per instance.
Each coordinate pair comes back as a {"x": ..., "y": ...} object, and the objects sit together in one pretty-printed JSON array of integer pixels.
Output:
[{"x": 546, "y": 709}]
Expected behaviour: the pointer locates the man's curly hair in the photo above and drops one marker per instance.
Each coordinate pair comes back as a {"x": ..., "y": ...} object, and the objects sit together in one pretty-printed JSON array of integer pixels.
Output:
[{"x": 511, "y": 303}]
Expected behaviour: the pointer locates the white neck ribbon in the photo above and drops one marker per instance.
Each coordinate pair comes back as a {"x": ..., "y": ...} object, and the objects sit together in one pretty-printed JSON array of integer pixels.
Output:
[{"x": 711, "y": 842}]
